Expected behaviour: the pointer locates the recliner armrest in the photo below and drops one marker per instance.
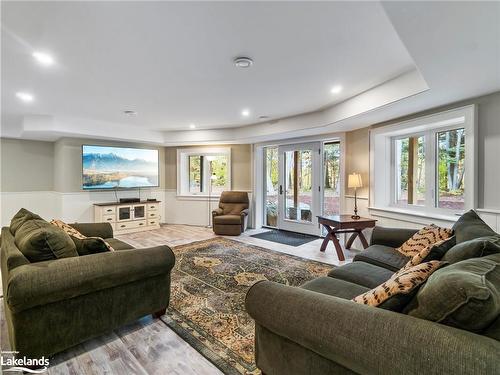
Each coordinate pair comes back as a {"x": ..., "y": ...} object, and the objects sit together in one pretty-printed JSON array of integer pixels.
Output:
[
  {"x": 46, "y": 282},
  {"x": 392, "y": 237},
  {"x": 244, "y": 212},
  {"x": 217, "y": 212},
  {"x": 368, "y": 340}
]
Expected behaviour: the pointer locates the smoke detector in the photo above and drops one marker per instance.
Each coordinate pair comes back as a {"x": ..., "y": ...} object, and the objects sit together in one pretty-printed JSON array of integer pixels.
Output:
[
  {"x": 129, "y": 112},
  {"x": 243, "y": 62}
]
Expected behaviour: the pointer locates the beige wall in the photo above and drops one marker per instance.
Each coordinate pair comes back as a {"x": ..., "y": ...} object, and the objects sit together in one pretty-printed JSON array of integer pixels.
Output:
[
  {"x": 26, "y": 165},
  {"x": 357, "y": 147},
  {"x": 241, "y": 166}
]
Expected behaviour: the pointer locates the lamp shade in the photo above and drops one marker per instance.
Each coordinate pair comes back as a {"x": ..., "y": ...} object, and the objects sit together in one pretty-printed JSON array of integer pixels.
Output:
[{"x": 354, "y": 181}]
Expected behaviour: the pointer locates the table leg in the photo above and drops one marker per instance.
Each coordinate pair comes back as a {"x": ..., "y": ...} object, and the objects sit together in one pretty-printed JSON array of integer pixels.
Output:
[
  {"x": 336, "y": 242},
  {"x": 363, "y": 239},
  {"x": 327, "y": 238},
  {"x": 351, "y": 240},
  {"x": 332, "y": 236}
]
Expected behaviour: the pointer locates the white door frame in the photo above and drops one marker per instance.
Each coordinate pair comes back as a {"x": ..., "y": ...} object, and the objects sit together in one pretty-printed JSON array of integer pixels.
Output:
[{"x": 298, "y": 225}]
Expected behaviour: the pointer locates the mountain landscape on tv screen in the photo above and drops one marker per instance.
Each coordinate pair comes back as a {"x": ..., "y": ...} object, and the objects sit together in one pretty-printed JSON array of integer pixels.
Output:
[{"x": 111, "y": 170}]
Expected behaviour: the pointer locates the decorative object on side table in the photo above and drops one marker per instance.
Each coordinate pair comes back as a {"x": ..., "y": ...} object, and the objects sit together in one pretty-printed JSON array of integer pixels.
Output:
[
  {"x": 354, "y": 181},
  {"x": 344, "y": 224}
]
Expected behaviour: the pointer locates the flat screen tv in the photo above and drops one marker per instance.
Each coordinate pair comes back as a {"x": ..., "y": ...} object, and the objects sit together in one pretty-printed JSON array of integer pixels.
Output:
[{"x": 118, "y": 167}]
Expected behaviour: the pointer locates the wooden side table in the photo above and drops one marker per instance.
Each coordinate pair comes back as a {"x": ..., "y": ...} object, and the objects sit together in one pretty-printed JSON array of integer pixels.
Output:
[{"x": 338, "y": 224}]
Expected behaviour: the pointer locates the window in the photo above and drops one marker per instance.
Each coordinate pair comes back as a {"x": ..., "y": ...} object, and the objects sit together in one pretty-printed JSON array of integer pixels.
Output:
[
  {"x": 271, "y": 186},
  {"x": 420, "y": 165},
  {"x": 203, "y": 171}
]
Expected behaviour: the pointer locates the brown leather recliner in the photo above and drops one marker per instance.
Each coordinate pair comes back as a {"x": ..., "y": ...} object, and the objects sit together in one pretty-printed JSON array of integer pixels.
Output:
[{"x": 231, "y": 217}]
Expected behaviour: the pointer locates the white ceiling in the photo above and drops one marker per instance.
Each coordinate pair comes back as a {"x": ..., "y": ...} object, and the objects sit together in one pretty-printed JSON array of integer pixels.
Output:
[{"x": 172, "y": 62}]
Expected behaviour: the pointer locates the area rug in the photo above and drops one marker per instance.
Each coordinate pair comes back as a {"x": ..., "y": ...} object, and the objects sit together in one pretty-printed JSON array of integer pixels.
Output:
[
  {"x": 285, "y": 237},
  {"x": 207, "y": 304}
]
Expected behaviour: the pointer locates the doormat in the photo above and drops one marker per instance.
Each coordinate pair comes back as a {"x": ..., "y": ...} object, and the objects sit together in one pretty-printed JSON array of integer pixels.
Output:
[{"x": 286, "y": 238}]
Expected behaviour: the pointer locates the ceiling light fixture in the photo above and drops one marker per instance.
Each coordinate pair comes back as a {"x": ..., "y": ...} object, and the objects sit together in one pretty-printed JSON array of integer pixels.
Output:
[
  {"x": 43, "y": 58},
  {"x": 245, "y": 113},
  {"x": 243, "y": 62},
  {"x": 192, "y": 126},
  {"x": 129, "y": 112},
  {"x": 25, "y": 97},
  {"x": 336, "y": 89}
]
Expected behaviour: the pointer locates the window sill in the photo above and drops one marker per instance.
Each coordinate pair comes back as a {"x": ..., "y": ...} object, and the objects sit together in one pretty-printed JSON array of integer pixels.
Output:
[{"x": 411, "y": 215}]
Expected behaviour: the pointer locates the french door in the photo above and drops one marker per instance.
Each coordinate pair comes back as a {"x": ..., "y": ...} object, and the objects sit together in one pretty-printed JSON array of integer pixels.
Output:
[
  {"x": 301, "y": 182},
  {"x": 298, "y": 198}
]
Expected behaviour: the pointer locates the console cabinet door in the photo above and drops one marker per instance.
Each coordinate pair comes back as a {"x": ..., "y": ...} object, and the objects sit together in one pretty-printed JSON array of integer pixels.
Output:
[
  {"x": 140, "y": 211},
  {"x": 124, "y": 213}
]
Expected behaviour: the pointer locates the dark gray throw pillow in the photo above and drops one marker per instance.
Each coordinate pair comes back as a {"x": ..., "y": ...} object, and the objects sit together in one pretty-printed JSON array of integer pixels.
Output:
[
  {"x": 476, "y": 248},
  {"x": 470, "y": 226},
  {"x": 39, "y": 240},
  {"x": 465, "y": 295},
  {"x": 20, "y": 218},
  {"x": 90, "y": 245}
]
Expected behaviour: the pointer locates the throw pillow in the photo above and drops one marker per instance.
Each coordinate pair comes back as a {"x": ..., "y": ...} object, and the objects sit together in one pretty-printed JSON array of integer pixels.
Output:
[
  {"x": 402, "y": 282},
  {"x": 476, "y": 248},
  {"x": 423, "y": 238},
  {"x": 40, "y": 241},
  {"x": 465, "y": 295},
  {"x": 433, "y": 252},
  {"x": 20, "y": 218},
  {"x": 84, "y": 245},
  {"x": 470, "y": 226}
]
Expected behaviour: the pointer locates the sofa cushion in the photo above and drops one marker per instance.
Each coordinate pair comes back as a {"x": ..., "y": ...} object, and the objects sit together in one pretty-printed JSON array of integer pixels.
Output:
[
  {"x": 334, "y": 287},
  {"x": 228, "y": 219},
  {"x": 383, "y": 256},
  {"x": 465, "y": 295},
  {"x": 117, "y": 244},
  {"x": 396, "y": 292},
  {"x": 425, "y": 237},
  {"x": 39, "y": 240},
  {"x": 84, "y": 245},
  {"x": 20, "y": 217},
  {"x": 361, "y": 273},
  {"x": 470, "y": 226},
  {"x": 475, "y": 248}
]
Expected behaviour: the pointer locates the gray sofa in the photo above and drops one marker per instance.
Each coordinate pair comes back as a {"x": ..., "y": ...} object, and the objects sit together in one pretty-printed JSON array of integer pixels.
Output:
[{"x": 316, "y": 329}]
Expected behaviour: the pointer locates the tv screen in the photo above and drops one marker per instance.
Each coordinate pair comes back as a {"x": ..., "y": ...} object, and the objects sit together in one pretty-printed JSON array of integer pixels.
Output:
[{"x": 118, "y": 167}]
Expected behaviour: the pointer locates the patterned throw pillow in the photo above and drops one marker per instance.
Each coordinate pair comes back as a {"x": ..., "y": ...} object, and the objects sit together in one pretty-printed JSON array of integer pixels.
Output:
[
  {"x": 424, "y": 238},
  {"x": 402, "y": 282},
  {"x": 76, "y": 234}
]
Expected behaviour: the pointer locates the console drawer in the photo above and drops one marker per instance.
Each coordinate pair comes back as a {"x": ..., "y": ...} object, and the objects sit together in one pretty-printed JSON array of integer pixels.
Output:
[
  {"x": 153, "y": 207},
  {"x": 108, "y": 218},
  {"x": 124, "y": 225},
  {"x": 109, "y": 211},
  {"x": 152, "y": 215},
  {"x": 152, "y": 222}
]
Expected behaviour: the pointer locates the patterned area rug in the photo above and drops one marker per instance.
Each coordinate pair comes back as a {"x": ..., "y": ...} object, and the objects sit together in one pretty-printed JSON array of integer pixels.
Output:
[{"x": 208, "y": 289}]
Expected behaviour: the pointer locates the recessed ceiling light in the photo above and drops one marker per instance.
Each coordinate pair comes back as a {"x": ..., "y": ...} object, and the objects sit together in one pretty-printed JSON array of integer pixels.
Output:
[
  {"x": 25, "y": 97},
  {"x": 243, "y": 62},
  {"x": 129, "y": 112},
  {"x": 336, "y": 89},
  {"x": 245, "y": 113},
  {"x": 43, "y": 58},
  {"x": 192, "y": 126}
]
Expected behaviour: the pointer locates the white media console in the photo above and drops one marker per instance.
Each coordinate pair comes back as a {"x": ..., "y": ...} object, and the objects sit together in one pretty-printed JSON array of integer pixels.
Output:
[{"x": 129, "y": 217}]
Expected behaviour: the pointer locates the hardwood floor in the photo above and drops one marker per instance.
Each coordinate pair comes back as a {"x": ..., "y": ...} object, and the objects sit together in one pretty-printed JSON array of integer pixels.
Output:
[{"x": 148, "y": 346}]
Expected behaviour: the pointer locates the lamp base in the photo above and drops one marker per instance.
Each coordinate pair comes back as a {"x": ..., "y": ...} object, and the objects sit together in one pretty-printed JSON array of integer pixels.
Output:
[{"x": 355, "y": 217}]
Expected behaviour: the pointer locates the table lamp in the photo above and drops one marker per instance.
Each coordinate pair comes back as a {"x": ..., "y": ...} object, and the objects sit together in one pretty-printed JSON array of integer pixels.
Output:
[{"x": 354, "y": 181}]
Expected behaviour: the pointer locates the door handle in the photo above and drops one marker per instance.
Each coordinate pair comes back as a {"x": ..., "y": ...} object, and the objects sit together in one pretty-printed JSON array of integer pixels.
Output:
[{"x": 281, "y": 189}]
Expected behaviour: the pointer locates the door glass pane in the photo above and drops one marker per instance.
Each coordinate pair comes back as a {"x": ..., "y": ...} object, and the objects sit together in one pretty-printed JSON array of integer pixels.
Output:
[
  {"x": 139, "y": 212},
  {"x": 271, "y": 181},
  {"x": 451, "y": 158},
  {"x": 331, "y": 183},
  {"x": 298, "y": 185},
  {"x": 219, "y": 178},
  {"x": 124, "y": 213},
  {"x": 195, "y": 173}
]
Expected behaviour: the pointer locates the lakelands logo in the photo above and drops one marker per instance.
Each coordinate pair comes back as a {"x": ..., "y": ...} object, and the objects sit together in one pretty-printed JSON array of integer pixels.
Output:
[{"x": 10, "y": 363}]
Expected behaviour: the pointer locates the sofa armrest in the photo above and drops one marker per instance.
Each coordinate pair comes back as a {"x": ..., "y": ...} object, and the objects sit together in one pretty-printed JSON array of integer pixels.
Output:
[
  {"x": 46, "y": 282},
  {"x": 368, "y": 340},
  {"x": 392, "y": 237},
  {"x": 217, "y": 212},
  {"x": 103, "y": 230}
]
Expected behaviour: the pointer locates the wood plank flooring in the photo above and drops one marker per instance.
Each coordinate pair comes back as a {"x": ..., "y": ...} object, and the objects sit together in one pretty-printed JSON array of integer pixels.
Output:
[{"x": 148, "y": 346}]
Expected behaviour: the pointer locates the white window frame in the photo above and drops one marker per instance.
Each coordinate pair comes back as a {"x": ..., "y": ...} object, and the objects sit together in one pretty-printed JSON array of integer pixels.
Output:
[
  {"x": 183, "y": 155},
  {"x": 383, "y": 163}
]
